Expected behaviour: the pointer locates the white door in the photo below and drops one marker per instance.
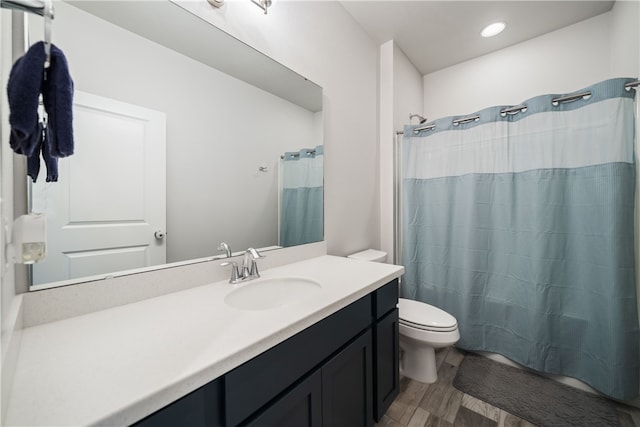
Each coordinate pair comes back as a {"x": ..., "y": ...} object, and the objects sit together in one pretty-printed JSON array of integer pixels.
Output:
[{"x": 109, "y": 201}]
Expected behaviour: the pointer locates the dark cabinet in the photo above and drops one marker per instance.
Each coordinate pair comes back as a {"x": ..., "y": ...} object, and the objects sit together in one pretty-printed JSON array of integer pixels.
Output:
[
  {"x": 337, "y": 394},
  {"x": 387, "y": 374},
  {"x": 201, "y": 408},
  {"x": 386, "y": 348},
  {"x": 341, "y": 371},
  {"x": 347, "y": 387},
  {"x": 299, "y": 407},
  {"x": 257, "y": 382}
]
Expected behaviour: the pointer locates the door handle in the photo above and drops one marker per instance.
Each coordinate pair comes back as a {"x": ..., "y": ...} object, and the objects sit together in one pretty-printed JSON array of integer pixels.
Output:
[{"x": 159, "y": 234}]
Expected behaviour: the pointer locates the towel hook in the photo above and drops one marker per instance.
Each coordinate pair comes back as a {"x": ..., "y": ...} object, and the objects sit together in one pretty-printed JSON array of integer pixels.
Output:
[{"x": 48, "y": 24}]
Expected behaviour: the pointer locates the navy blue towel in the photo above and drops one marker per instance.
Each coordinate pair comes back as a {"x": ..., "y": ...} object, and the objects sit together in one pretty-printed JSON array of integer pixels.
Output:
[
  {"x": 23, "y": 89},
  {"x": 33, "y": 161},
  {"x": 26, "y": 81},
  {"x": 57, "y": 94}
]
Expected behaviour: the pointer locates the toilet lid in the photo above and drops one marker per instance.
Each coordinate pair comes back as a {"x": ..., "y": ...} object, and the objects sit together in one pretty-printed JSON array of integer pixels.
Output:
[{"x": 424, "y": 316}]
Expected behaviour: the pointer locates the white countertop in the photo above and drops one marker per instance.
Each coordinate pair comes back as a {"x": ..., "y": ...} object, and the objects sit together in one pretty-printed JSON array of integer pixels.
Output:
[{"x": 115, "y": 366}]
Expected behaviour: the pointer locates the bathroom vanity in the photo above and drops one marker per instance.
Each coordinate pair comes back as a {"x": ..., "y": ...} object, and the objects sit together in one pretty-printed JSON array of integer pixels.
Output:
[
  {"x": 342, "y": 371},
  {"x": 189, "y": 358}
]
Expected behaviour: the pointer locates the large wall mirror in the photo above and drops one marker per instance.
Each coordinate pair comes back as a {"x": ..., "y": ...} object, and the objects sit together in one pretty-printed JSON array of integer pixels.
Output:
[{"x": 184, "y": 138}]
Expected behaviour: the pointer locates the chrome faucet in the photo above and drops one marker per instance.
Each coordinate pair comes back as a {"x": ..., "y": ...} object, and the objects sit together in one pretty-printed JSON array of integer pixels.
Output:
[
  {"x": 235, "y": 274},
  {"x": 224, "y": 247},
  {"x": 249, "y": 268},
  {"x": 251, "y": 271}
]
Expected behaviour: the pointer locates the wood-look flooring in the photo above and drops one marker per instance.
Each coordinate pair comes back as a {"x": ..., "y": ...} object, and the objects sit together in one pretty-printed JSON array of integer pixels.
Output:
[{"x": 442, "y": 405}]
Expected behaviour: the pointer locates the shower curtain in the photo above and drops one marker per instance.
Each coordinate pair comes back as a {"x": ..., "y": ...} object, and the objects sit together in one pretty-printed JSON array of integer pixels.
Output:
[
  {"x": 520, "y": 224},
  {"x": 301, "y": 197}
]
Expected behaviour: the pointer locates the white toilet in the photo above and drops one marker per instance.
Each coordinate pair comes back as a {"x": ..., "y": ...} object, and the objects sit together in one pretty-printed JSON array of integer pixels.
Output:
[{"x": 423, "y": 328}]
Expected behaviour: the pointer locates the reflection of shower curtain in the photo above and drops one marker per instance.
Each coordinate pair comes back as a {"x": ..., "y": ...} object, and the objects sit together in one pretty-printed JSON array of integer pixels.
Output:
[
  {"x": 521, "y": 225},
  {"x": 301, "y": 200}
]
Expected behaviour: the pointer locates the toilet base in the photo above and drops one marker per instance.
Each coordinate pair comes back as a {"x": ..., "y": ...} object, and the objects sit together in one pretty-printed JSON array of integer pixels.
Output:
[{"x": 419, "y": 363}]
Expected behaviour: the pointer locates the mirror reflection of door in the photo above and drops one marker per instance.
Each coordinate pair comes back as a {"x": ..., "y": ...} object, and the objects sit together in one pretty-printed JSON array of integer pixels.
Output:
[{"x": 110, "y": 198}]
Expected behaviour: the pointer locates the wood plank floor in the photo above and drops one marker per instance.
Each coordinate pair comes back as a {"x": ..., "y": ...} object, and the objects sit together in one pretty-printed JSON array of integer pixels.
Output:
[{"x": 442, "y": 405}]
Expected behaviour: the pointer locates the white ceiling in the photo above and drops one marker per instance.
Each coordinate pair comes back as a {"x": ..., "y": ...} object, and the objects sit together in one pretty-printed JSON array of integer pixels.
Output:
[{"x": 438, "y": 34}]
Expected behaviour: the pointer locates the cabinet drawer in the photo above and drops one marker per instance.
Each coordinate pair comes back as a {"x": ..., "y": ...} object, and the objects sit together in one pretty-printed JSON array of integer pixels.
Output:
[
  {"x": 385, "y": 299},
  {"x": 253, "y": 384}
]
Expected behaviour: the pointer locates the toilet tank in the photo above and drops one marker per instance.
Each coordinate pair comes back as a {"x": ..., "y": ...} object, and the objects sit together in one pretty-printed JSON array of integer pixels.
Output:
[{"x": 372, "y": 255}]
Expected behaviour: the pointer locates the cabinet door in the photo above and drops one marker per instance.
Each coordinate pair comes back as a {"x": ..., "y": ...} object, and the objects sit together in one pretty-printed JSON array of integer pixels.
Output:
[
  {"x": 300, "y": 407},
  {"x": 386, "y": 363},
  {"x": 252, "y": 385},
  {"x": 347, "y": 388}
]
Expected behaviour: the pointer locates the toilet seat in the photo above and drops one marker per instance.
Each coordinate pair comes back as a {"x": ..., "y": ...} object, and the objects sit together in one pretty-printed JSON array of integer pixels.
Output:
[
  {"x": 427, "y": 328},
  {"x": 419, "y": 315}
]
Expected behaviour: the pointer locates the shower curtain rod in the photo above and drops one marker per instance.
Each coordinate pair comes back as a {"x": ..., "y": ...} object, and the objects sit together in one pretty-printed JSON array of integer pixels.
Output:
[
  {"x": 519, "y": 108},
  {"x": 298, "y": 154},
  {"x": 632, "y": 84}
]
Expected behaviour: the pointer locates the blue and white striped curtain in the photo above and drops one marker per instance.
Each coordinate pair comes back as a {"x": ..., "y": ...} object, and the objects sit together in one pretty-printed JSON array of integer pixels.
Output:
[
  {"x": 522, "y": 226},
  {"x": 301, "y": 199}
]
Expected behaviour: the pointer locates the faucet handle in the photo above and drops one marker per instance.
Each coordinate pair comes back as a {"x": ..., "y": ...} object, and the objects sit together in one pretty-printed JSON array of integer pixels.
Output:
[
  {"x": 235, "y": 274},
  {"x": 254, "y": 268},
  {"x": 255, "y": 254},
  {"x": 250, "y": 270},
  {"x": 254, "y": 262}
]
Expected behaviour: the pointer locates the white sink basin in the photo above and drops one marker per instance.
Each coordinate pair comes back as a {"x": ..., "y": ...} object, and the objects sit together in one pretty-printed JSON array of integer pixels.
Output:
[{"x": 264, "y": 294}]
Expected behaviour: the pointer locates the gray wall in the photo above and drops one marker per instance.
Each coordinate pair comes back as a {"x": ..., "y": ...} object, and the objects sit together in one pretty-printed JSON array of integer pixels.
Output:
[{"x": 321, "y": 41}]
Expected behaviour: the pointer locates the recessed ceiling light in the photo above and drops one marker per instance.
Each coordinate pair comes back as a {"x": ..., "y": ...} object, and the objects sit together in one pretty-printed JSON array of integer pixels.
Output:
[{"x": 493, "y": 29}]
